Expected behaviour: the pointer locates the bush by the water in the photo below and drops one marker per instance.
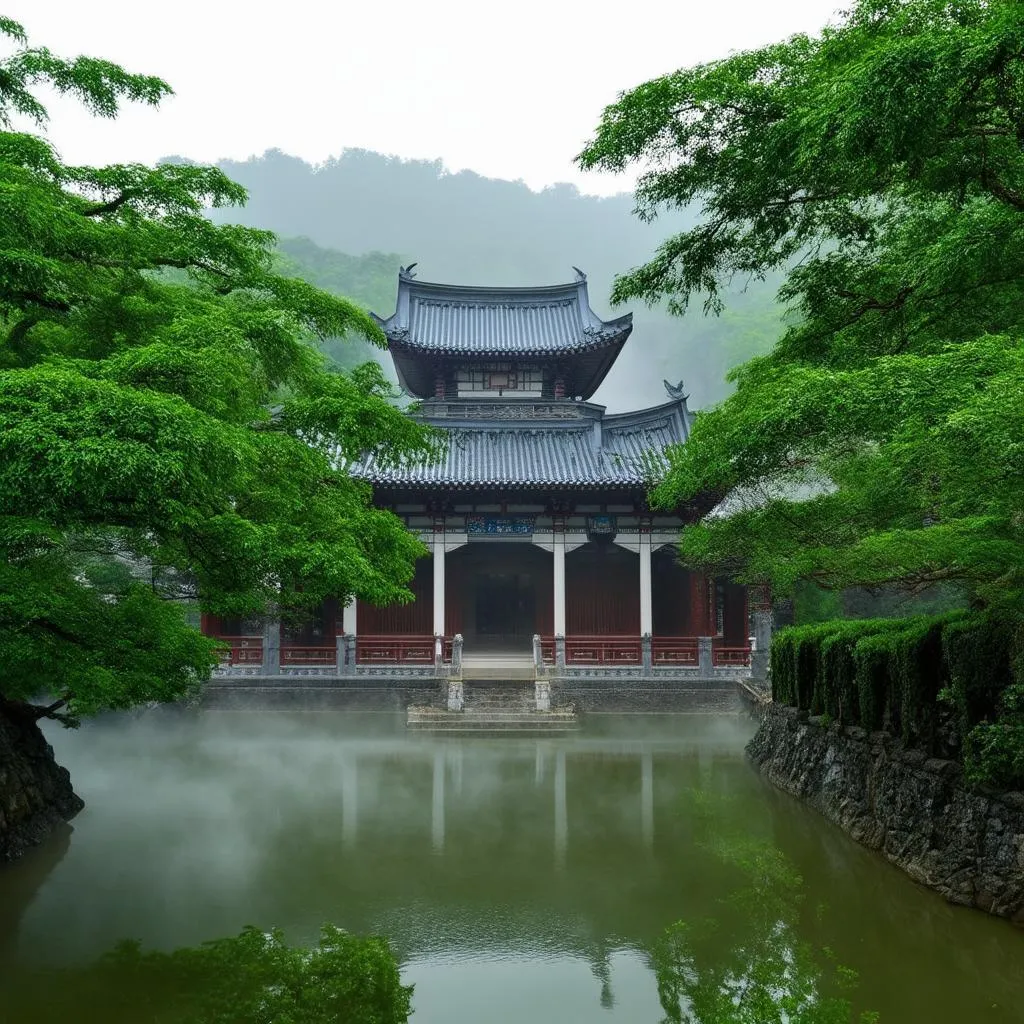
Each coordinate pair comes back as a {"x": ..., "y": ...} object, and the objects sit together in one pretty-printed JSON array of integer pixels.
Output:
[{"x": 951, "y": 686}]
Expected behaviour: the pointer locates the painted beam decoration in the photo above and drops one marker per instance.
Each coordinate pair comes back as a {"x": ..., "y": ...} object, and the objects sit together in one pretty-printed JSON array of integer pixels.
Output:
[
  {"x": 499, "y": 525},
  {"x": 601, "y": 525}
]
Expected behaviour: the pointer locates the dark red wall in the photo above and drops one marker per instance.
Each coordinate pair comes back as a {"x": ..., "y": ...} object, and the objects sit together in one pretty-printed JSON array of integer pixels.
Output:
[
  {"x": 397, "y": 619},
  {"x": 602, "y": 591}
]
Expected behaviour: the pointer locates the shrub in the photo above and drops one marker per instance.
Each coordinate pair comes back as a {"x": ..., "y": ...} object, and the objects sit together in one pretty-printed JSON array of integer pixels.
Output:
[
  {"x": 979, "y": 653},
  {"x": 871, "y": 660},
  {"x": 898, "y": 675}
]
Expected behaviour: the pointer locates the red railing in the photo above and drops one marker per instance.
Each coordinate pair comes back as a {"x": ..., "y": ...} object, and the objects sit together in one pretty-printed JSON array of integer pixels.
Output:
[
  {"x": 294, "y": 654},
  {"x": 666, "y": 651},
  {"x": 730, "y": 657},
  {"x": 243, "y": 650},
  {"x": 398, "y": 650},
  {"x": 602, "y": 650},
  {"x": 674, "y": 650}
]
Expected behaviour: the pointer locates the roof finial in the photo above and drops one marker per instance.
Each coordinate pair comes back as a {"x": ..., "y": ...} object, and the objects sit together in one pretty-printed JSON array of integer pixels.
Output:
[
  {"x": 675, "y": 391},
  {"x": 580, "y": 276},
  {"x": 406, "y": 272}
]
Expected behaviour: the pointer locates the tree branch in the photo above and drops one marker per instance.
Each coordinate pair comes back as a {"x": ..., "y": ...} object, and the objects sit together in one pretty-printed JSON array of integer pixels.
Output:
[{"x": 112, "y": 206}]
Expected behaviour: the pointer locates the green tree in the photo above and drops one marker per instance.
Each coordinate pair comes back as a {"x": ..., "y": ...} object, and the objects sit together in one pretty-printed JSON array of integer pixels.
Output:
[
  {"x": 167, "y": 424},
  {"x": 251, "y": 978},
  {"x": 881, "y": 166},
  {"x": 368, "y": 279}
]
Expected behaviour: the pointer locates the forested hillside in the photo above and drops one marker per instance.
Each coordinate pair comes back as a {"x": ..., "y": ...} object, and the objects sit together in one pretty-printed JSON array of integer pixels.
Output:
[{"x": 347, "y": 225}]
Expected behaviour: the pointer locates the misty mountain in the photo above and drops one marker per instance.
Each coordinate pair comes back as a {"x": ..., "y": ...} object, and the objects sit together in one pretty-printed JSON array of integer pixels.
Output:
[{"x": 347, "y": 225}]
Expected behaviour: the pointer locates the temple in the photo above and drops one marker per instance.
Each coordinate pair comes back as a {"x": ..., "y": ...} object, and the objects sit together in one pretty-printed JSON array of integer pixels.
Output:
[{"x": 542, "y": 544}]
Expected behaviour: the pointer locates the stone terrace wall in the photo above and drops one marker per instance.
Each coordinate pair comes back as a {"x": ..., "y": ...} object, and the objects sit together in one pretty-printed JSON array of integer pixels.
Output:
[
  {"x": 319, "y": 694},
  {"x": 916, "y": 811},
  {"x": 646, "y": 695},
  {"x": 35, "y": 792}
]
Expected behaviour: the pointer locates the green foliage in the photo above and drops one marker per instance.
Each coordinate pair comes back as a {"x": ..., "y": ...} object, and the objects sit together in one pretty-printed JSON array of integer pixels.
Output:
[
  {"x": 814, "y": 604},
  {"x": 985, "y": 655},
  {"x": 979, "y": 652},
  {"x": 950, "y": 685},
  {"x": 167, "y": 426},
  {"x": 994, "y": 753},
  {"x": 368, "y": 279},
  {"x": 255, "y": 978},
  {"x": 879, "y": 166}
]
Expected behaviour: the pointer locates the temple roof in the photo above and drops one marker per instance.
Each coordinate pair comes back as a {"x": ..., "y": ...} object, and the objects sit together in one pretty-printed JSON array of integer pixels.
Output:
[
  {"x": 553, "y": 324},
  {"x": 589, "y": 450},
  {"x": 461, "y": 319}
]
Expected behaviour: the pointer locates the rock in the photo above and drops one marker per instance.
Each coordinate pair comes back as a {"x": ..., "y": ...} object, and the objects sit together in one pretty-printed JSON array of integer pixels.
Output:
[
  {"x": 914, "y": 810},
  {"x": 35, "y": 792}
]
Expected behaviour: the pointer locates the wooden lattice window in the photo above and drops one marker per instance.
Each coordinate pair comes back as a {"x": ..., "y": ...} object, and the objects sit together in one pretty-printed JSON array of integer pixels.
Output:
[{"x": 501, "y": 380}]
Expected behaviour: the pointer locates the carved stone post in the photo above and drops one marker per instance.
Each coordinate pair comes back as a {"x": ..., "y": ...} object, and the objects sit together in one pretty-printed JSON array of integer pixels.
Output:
[
  {"x": 456, "y": 694},
  {"x": 559, "y": 652},
  {"x": 272, "y": 647},
  {"x": 346, "y": 654},
  {"x": 705, "y": 658},
  {"x": 646, "y": 654},
  {"x": 456, "y": 667},
  {"x": 542, "y": 694}
]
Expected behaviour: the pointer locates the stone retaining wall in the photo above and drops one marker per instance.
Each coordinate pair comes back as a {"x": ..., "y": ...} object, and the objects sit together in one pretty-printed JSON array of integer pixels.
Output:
[
  {"x": 364, "y": 695},
  {"x": 646, "y": 695},
  {"x": 35, "y": 792},
  {"x": 916, "y": 811}
]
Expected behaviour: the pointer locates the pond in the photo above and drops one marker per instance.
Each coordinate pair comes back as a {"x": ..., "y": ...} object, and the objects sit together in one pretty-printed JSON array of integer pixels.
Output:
[{"x": 518, "y": 879}]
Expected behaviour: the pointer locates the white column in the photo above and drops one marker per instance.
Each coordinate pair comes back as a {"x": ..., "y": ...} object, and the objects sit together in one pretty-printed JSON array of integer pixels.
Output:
[
  {"x": 348, "y": 618},
  {"x": 647, "y": 798},
  {"x": 561, "y": 815},
  {"x": 437, "y": 807},
  {"x": 439, "y": 583},
  {"x": 559, "y": 574},
  {"x": 646, "y": 608}
]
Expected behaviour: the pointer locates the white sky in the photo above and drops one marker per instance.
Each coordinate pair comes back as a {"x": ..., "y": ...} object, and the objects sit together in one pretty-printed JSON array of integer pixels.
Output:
[{"x": 511, "y": 89}]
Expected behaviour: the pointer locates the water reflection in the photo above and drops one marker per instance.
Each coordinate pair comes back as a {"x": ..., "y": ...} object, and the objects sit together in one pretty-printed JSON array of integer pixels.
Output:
[{"x": 518, "y": 879}]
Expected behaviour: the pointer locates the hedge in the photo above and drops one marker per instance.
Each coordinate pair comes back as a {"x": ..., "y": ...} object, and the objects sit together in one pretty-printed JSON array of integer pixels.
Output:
[{"x": 946, "y": 685}]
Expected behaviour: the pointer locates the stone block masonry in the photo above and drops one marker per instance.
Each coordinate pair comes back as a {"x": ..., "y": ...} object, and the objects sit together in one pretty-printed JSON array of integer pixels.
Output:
[
  {"x": 917, "y": 811},
  {"x": 35, "y": 792}
]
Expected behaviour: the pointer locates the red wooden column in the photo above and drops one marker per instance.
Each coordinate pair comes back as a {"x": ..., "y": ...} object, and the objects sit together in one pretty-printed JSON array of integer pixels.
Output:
[
  {"x": 700, "y": 618},
  {"x": 734, "y": 615}
]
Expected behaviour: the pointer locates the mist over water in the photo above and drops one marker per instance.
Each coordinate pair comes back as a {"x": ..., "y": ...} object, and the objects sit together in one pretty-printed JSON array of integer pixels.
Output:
[{"x": 518, "y": 879}]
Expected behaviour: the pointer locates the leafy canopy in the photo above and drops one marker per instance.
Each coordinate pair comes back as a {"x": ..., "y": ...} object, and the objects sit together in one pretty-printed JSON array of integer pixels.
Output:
[
  {"x": 254, "y": 977},
  {"x": 166, "y": 420},
  {"x": 880, "y": 165}
]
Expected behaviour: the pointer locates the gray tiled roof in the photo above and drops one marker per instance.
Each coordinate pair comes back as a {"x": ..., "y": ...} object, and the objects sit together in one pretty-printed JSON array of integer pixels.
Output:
[
  {"x": 456, "y": 319},
  {"x": 630, "y": 454}
]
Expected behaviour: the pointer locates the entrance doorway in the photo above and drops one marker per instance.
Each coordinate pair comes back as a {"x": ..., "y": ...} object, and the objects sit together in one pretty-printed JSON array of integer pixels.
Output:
[
  {"x": 498, "y": 594},
  {"x": 505, "y": 609}
]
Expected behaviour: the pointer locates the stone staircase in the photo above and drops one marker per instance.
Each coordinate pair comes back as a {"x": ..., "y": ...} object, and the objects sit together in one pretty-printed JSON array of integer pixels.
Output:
[{"x": 493, "y": 706}]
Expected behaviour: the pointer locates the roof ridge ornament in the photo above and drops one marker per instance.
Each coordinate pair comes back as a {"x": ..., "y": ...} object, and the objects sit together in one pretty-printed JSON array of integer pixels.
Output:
[
  {"x": 405, "y": 273},
  {"x": 675, "y": 391},
  {"x": 580, "y": 276}
]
